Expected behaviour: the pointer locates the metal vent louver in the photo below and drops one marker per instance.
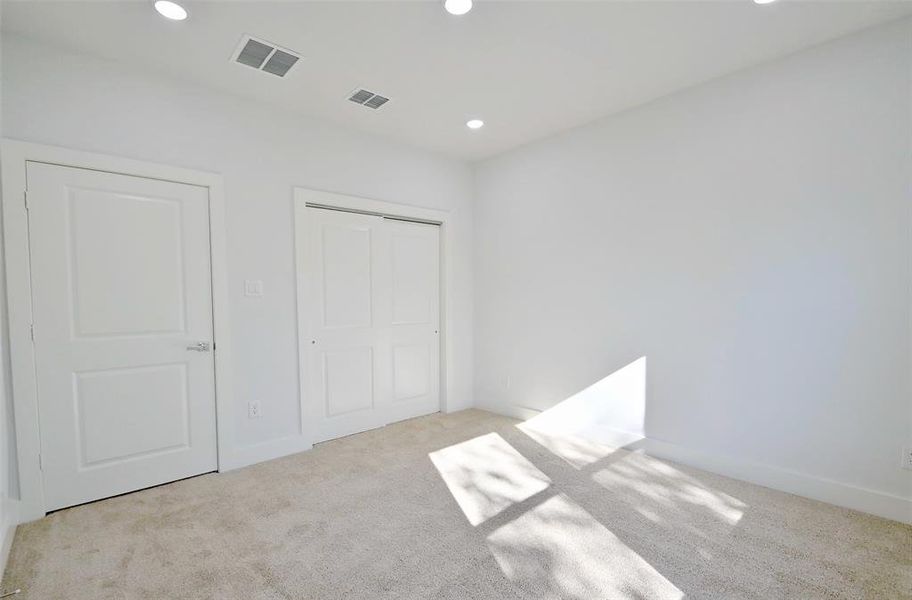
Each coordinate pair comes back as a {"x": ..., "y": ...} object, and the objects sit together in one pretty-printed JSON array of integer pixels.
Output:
[
  {"x": 264, "y": 56},
  {"x": 367, "y": 98}
]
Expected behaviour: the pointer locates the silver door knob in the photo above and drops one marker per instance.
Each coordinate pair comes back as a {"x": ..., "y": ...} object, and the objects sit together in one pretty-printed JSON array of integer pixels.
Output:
[{"x": 200, "y": 347}]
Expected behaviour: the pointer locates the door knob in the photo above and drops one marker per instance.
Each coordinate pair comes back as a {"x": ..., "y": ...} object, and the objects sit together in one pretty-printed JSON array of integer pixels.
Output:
[{"x": 199, "y": 347}]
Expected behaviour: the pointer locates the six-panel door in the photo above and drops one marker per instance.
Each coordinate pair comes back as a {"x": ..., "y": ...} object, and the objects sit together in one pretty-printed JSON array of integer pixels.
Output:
[{"x": 122, "y": 301}]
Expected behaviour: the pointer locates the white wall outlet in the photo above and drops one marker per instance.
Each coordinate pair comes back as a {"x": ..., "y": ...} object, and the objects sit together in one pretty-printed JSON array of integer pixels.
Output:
[
  {"x": 254, "y": 411},
  {"x": 253, "y": 287},
  {"x": 907, "y": 458}
]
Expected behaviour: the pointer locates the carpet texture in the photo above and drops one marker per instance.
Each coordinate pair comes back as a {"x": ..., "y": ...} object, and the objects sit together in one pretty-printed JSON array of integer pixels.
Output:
[{"x": 460, "y": 506}]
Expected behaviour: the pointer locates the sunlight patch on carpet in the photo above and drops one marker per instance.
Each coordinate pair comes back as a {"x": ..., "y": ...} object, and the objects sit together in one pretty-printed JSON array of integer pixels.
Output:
[
  {"x": 557, "y": 549},
  {"x": 486, "y": 475},
  {"x": 669, "y": 494}
]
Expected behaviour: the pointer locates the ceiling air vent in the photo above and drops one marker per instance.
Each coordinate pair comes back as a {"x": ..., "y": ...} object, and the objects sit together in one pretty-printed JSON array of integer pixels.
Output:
[
  {"x": 367, "y": 98},
  {"x": 265, "y": 56}
]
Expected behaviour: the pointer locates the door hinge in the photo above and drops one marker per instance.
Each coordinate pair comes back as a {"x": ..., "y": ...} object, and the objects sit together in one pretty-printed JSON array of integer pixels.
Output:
[
  {"x": 32, "y": 331},
  {"x": 40, "y": 464},
  {"x": 25, "y": 199}
]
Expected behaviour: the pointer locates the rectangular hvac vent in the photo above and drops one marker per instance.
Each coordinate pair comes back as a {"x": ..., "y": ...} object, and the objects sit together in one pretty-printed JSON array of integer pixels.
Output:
[
  {"x": 264, "y": 56},
  {"x": 367, "y": 98},
  {"x": 279, "y": 63},
  {"x": 254, "y": 54},
  {"x": 361, "y": 96},
  {"x": 376, "y": 101}
]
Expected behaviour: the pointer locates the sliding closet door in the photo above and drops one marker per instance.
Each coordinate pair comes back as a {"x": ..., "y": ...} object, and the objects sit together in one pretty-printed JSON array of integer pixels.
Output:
[
  {"x": 414, "y": 325},
  {"x": 372, "y": 288},
  {"x": 348, "y": 363}
]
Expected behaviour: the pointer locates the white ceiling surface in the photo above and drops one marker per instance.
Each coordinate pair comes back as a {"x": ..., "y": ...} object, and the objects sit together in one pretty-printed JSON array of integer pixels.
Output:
[{"x": 528, "y": 69}]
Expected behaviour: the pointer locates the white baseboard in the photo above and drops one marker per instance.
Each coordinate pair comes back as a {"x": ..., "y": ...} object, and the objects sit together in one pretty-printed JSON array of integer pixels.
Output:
[
  {"x": 257, "y": 453},
  {"x": 846, "y": 495},
  {"x": 235, "y": 458},
  {"x": 9, "y": 518},
  {"x": 842, "y": 494}
]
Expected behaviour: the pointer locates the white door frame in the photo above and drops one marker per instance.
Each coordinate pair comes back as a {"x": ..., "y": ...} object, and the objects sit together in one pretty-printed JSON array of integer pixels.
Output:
[
  {"x": 15, "y": 155},
  {"x": 303, "y": 198}
]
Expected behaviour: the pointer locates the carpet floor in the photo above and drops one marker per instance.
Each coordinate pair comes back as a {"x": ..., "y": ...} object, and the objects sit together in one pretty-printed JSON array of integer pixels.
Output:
[{"x": 461, "y": 506}]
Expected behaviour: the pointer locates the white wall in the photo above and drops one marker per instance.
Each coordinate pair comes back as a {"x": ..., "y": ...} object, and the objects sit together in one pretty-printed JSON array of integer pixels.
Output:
[
  {"x": 751, "y": 237},
  {"x": 8, "y": 473},
  {"x": 54, "y": 97},
  {"x": 8, "y": 470}
]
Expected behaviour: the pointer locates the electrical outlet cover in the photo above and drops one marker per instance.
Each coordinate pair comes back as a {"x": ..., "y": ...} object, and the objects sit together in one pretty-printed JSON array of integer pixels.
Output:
[{"x": 253, "y": 287}]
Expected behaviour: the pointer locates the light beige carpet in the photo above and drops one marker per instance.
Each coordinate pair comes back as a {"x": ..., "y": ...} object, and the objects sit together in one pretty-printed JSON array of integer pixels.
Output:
[{"x": 461, "y": 506}]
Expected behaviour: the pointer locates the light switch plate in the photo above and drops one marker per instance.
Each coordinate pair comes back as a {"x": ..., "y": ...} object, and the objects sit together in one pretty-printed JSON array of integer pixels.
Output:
[{"x": 253, "y": 287}]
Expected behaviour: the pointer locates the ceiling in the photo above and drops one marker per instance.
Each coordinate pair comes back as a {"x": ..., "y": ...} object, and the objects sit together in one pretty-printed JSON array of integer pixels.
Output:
[{"x": 529, "y": 69}]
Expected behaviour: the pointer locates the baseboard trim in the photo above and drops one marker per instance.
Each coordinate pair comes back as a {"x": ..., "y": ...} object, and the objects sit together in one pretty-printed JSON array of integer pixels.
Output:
[
  {"x": 245, "y": 456},
  {"x": 235, "y": 458},
  {"x": 842, "y": 494},
  {"x": 838, "y": 493},
  {"x": 9, "y": 511}
]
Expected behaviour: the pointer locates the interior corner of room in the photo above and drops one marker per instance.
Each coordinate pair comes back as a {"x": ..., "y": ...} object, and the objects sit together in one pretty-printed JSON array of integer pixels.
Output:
[{"x": 576, "y": 315}]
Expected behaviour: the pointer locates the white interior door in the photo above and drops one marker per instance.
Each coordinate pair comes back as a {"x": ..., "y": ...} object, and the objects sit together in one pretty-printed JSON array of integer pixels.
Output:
[
  {"x": 123, "y": 331},
  {"x": 346, "y": 375},
  {"x": 414, "y": 254},
  {"x": 373, "y": 321}
]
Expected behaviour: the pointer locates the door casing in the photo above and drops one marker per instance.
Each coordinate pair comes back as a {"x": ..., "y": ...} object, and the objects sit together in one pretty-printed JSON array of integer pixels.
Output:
[{"x": 15, "y": 156}]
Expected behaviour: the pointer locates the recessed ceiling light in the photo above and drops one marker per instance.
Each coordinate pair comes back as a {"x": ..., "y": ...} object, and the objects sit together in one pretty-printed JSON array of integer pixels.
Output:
[
  {"x": 171, "y": 10},
  {"x": 475, "y": 124},
  {"x": 458, "y": 7},
  {"x": 764, "y": 1}
]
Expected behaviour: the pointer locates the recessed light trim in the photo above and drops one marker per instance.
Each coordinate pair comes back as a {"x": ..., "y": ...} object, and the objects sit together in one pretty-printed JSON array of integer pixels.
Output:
[
  {"x": 458, "y": 7},
  {"x": 171, "y": 10},
  {"x": 764, "y": 1},
  {"x": 474, "y": 123}
]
